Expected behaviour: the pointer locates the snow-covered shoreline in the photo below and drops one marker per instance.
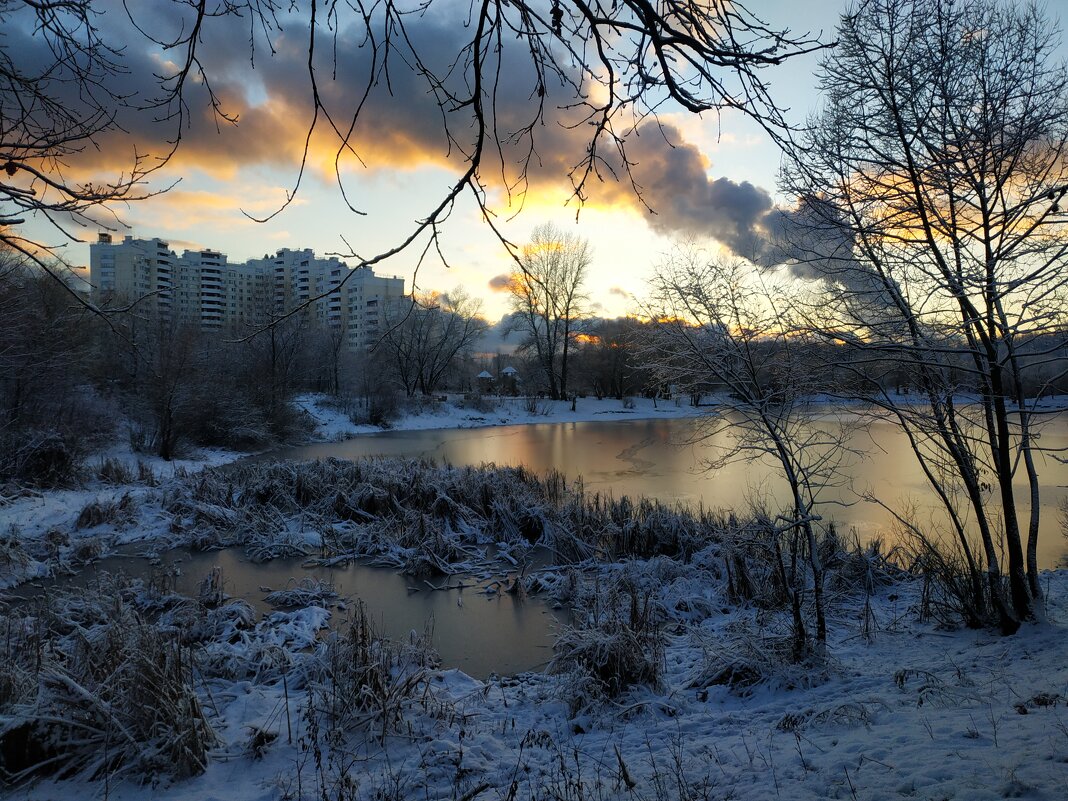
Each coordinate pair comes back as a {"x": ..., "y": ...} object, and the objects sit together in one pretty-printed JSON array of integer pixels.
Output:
[
  {"x": 35, "y": 513},
  {"x": 332, "y": 425},
  {"x": 902, "y": 706}
]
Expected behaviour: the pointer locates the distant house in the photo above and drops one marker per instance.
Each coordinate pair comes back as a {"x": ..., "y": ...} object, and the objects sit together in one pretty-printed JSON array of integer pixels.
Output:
[
  {"x": 485, "y": 382},
  {"x": 509, "y": 381}
]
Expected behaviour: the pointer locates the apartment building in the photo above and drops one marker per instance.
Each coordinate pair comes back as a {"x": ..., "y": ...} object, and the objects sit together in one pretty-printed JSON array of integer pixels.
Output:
[{"x": 202, "y": 288}]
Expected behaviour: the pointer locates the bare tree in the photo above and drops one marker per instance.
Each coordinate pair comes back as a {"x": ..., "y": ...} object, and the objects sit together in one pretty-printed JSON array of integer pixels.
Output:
[
  {"x": 426, "y": 336},
  {"x": 48, "y": 417},
  {"x": 548, "y": 300},
  {"x": 491, "y": 83},
  {"x": 329, "y": 346},
  {"x": 606, "y": 359},
  {"x": 40, "y": 346},
  {"x": 718, "y": 325},
  {"x": 930, "y": 212},
  {"x": 169, "y": 364}
]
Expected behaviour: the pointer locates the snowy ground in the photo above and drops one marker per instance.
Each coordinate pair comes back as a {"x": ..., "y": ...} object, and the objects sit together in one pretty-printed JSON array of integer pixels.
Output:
[
  {"x": 915, "y": 712},
  {"x": 901, "y": 708}
]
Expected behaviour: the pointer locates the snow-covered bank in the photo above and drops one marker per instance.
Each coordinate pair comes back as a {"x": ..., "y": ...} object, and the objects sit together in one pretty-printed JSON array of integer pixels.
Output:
[
  {"x": 332, "y": 425},
  {"x": 66, "y": 526},
  {"x": 901, "y": 708},
  {"x": 672, "y": 685}
]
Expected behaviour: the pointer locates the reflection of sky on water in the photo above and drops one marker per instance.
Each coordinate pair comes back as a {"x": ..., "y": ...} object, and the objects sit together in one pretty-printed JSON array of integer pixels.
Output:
[
  {"x": 644, "y": 457},
  {"x": 497, "y": 633}
]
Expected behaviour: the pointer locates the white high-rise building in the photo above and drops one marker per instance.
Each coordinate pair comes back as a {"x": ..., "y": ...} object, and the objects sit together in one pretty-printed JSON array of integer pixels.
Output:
[{"x": 201, "y": 288}]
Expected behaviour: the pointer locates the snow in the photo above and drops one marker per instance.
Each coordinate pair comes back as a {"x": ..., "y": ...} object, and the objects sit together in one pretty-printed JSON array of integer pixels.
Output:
[
  {"x": 918, "y": 712},
  {"x": 913, "y": 711},
  {"x": 195, "y": 459},
  {"x": 332, "y": 425}
]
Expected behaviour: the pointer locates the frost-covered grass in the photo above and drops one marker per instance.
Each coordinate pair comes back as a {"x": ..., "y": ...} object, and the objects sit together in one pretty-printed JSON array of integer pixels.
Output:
[
  {"x": 89, "y": 688},
  {"x": 421, "y": 517},
  {"x": 900, "y": 708}
]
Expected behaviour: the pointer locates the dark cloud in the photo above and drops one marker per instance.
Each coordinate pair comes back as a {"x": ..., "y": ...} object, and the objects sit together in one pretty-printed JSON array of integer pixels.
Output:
[
  {"x": 814, "y": 241},
  {"x": 500, "y": 283},
  {"x": 497, "y": 339},
  {"x": 402, "y": 125},
  {"x": 674, "y": 181},
  {"x": 618, "y": 290}
]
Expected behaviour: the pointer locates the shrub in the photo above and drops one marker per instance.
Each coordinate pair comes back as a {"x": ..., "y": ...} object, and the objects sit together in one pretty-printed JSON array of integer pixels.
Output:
[
  {"x": 40, "y": 458},
  {"x": 380, "y": 408},
  {"x": 477, "y": 402},
  {"x": 92, "y": 689},
  {"x": 616, "y": 646}
]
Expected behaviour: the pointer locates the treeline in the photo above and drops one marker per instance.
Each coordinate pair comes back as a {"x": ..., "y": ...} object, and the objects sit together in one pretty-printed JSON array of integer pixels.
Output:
[{"x": 73, "y": 381}]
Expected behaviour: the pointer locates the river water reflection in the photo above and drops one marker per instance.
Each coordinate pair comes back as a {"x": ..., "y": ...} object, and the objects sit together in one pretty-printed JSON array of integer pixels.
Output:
[
  {"x": 647, "y": 458},
  {"x": 476, "y": 631}
]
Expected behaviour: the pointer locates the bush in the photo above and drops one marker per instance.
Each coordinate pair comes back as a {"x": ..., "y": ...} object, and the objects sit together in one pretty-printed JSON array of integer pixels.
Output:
[
  {"x": 41, "y": 458},
  {"x": 617, "y": 645},
  {"x": 91, "y": 689},
  {"x": 380, "y": 408},
  {"x": 477, "y": 402}
]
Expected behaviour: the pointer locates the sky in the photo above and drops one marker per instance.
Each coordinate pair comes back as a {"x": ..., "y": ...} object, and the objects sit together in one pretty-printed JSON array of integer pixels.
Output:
[{"x": 711, "y": 175}]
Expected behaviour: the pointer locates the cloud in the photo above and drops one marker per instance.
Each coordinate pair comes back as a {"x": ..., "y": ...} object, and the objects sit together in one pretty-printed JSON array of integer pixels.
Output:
[
  {"x": 178, "y": 245},
  {"x": 500, "y": 283},
  {"x": 402, "y": 123},
  {"x": 618, "y": 290},
  {"x": 181, "y": 209},
  {"x": 496, "y": 339}
]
